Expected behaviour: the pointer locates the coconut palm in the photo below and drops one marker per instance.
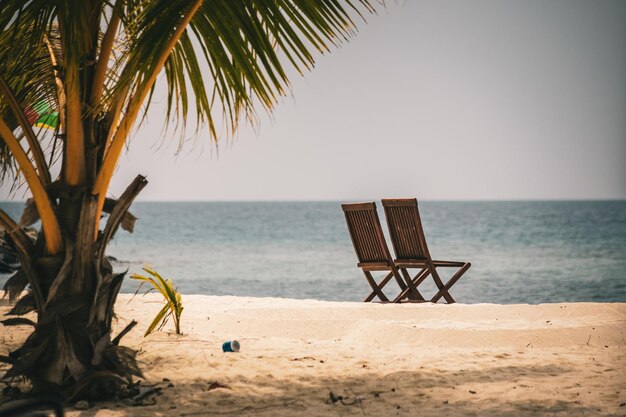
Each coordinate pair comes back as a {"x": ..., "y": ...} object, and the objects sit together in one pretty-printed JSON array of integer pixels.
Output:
[{"x": 76, "y": 76}]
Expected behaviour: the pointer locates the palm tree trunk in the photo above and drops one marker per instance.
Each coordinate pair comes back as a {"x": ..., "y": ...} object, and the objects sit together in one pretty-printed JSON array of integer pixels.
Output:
[{"x": 72, "y": 341}]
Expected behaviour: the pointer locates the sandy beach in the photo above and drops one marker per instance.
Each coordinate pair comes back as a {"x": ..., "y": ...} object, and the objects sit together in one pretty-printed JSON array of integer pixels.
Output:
[{"x": 419, "y": 359}]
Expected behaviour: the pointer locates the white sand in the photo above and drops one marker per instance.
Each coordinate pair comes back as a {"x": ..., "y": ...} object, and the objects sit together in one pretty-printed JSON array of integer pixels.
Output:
[{"x": 413, "y": 359}]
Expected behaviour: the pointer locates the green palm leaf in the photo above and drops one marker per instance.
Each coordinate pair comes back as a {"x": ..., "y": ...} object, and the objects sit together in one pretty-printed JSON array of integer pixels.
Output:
[
  {"x": 160, "y": 317},
  {"x": 173, "y": 299},
  {"x": 234, "y": 57}
]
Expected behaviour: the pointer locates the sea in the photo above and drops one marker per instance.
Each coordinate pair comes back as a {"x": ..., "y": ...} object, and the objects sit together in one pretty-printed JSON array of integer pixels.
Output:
[{"x": 521, "y": 251}]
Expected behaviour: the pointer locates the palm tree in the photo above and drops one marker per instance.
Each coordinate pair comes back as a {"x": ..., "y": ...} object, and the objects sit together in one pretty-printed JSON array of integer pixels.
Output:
[{"x": 86, "y": 69}]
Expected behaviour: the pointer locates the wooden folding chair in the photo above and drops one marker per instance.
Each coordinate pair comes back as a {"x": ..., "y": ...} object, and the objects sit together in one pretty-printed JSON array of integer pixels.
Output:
[
  {"x": 409, "y": 244},
  {"x": 372, "y": 251}
]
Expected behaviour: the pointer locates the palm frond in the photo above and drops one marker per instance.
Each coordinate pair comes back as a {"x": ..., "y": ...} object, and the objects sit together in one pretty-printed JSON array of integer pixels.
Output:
[
  {"x": 231, "y": 59},
  {"x": 235, "y": 55},
  {"x": 31, "y": 83}
]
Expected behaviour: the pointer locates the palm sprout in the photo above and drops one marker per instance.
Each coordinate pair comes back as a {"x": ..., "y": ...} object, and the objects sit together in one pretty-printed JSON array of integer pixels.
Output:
[{"x": 173, "y": 300}]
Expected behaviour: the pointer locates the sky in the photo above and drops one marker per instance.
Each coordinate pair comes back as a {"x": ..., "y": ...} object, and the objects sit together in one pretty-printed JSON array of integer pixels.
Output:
[{"x": 439, "y": 100}]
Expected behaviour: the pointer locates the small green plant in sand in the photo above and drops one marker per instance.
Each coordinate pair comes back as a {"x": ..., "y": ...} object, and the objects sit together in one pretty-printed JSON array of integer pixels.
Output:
[{"x": 173, "y": 300}]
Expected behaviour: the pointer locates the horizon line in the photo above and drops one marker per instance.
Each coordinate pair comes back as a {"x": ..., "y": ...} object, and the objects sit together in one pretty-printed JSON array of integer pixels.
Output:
[{"x": 435, "y": 200}]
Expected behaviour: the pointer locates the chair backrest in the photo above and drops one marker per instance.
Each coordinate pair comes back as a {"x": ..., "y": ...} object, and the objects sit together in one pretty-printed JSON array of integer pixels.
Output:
[
  {"x": 405, "y": 229},
  {"x": 366, "y": 234}
]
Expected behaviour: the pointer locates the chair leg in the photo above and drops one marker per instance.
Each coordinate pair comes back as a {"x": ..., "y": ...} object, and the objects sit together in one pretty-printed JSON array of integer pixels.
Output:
[
  {"x": 377, "y": 289},
  {"x": 413, "y": 293},
  {"x": 399, "y": 279},
  {"x": 442, "y": 288},
  {"x": 444, "y": 291},
  {"x": 419, "y": 278}
]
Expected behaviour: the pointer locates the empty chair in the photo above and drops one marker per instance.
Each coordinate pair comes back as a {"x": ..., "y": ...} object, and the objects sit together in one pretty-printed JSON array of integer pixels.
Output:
[
  {"x": 409, "y": 244},
  {"x": 372, "y": 251}
]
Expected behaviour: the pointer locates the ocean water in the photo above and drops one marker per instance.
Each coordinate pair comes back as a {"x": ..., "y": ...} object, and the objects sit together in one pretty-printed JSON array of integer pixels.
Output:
[{"x": 521, "y": 252}]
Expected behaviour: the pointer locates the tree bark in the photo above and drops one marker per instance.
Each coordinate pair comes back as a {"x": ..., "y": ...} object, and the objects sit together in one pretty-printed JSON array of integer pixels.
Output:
[{"x": 71, "y": 352}]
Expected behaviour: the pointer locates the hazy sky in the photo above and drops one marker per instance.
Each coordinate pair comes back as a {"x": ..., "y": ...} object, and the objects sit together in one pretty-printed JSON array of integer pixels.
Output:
[{"x": 433, "y": 99}]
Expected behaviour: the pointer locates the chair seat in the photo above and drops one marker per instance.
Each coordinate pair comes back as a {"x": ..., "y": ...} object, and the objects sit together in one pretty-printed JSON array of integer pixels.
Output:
[
  {"x": 374, "y": 266},
  {"x": 419, "y": 263},
  {"x": 449, "y": 263},
  {"x": 411, "y": 262}
]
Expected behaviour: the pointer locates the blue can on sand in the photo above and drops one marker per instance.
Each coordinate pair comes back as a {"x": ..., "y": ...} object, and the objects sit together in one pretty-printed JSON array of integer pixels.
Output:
[{"x": 231, "y": 346}]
